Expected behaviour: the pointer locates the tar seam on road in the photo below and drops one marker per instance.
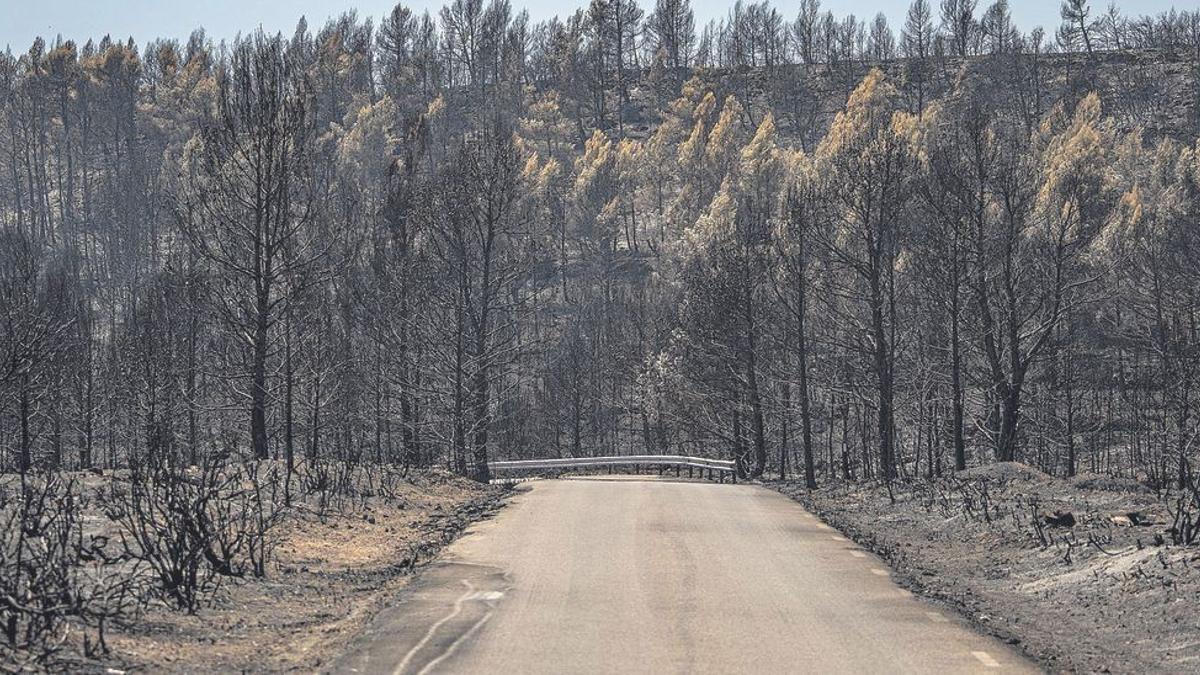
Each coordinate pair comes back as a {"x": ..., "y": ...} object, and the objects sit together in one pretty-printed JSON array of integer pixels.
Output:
[
  {"x": 454, "y": 645},
  {"x": 458, "y": 606}
]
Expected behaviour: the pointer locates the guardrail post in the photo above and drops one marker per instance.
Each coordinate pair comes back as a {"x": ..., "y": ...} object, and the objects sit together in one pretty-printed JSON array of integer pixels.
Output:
[{"x": 733, "y": 476}]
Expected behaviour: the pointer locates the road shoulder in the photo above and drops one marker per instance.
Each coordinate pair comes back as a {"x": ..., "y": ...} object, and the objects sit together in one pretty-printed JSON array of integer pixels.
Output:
[
  {"x": 334, "y": 572},
  {"x": 1094, "y": 597}
]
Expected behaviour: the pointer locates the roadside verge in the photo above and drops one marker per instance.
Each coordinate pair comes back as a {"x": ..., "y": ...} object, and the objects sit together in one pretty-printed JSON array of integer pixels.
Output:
[
  {"x": 333, "y": 572},
  {"x": 1079, "y": 574}
]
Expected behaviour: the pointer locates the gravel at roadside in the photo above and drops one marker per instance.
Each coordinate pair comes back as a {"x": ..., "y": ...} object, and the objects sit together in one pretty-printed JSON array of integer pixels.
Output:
[{"x": 1080, "y": 574}]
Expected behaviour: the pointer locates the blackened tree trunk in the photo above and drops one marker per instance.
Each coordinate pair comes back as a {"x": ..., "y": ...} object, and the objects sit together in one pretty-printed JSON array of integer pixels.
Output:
[
  {"x": 756, "y": 415},
  {"x": 750, "y": 359},
  {"x": 289, "y": 393},
  {"x": 483, "y": 421},
  {"x": 258, "y": 386},
  {"x": 810, "y": 472},
  {"x": 881, "y": 353},
  {"x": 956, "y": 384}
]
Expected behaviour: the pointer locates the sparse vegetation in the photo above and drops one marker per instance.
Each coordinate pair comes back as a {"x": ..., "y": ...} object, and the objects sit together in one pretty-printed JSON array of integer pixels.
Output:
[
  {"x": 85, "y": 557},
  {"x": 1083, "y": 574}
]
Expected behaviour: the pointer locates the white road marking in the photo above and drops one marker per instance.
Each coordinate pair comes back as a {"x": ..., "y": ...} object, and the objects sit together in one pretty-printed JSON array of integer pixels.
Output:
[
  {"x": 904, "y": 593},
  {"x": 838, "y": 537},
  {"x": 485, "y": 595},
  {"x": 823, "y": 526},
  {"x": 858, "y": 554},
  {"x": 879, "y": 573},
  {"x": 986, "y": 659},
  {"x": 936, "y": 618}
]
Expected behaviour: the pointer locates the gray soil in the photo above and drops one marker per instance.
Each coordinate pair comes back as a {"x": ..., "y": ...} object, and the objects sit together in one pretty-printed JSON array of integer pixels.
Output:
[
  {"x": 332, "y": 572},
  {"x": 1109, "y": 593}
]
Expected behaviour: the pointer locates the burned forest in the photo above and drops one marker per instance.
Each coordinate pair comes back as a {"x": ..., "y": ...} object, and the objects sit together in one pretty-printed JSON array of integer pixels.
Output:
[{"x": 272, "y": 306}]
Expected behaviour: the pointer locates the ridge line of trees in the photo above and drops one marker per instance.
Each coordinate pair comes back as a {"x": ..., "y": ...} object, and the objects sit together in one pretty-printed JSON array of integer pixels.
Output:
[{"x": 454, "y": 238}]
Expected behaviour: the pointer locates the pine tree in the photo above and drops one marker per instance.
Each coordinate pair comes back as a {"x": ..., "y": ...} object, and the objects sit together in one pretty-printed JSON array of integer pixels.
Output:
[{"x": 865, "y": 162}]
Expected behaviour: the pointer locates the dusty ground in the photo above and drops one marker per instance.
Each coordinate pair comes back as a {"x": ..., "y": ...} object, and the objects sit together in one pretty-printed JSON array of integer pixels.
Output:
[
  {"x": 331, "y": 574},
  {"x": 1109, "y": 594}
]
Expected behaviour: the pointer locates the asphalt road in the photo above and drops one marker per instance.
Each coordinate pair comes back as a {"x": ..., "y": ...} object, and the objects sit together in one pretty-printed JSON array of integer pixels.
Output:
[{"x": 659, "y": 576}]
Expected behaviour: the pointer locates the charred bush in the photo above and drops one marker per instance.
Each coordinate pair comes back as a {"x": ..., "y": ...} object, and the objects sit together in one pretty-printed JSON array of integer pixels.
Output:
[
  {"x": 191, "y": 525},
  {"x": 158, "y": 512},
  {"x": 335, "y": 485},
  {"x": 262, "y": 500},
  {"x": 1185, "y": 512},
  {"x": 40, "y": 519},
  {"x": 52, "y": 577}
]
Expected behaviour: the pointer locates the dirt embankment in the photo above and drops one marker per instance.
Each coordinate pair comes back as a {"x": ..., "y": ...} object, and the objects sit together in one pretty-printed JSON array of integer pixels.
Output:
[
  {"x": 331, "y": 573},
  {"x": 1081, "y": 574}
]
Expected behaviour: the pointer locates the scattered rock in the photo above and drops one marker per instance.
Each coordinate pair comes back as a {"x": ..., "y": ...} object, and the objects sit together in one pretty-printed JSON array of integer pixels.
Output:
[
  {"x": 1059, "y": 519},
  {"x": 1131, "y": 519}
]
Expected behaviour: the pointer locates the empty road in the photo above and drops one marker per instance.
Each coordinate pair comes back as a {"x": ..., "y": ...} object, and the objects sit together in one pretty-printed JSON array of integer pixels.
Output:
[{"x": 660, "y": 576}]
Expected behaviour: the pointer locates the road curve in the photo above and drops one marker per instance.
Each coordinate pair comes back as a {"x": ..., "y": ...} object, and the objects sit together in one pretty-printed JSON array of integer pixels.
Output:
[{"x": 662, "y": 576}]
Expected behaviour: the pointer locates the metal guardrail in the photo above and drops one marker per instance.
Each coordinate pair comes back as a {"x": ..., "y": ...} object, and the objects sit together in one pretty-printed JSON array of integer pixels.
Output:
[{"x": 714, "y": 467}]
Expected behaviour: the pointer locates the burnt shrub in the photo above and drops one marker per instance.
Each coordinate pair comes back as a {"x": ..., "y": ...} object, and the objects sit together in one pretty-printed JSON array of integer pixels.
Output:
[
  {"x": 192, "y": 525},
  {"x": 52, "y": 577}
]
